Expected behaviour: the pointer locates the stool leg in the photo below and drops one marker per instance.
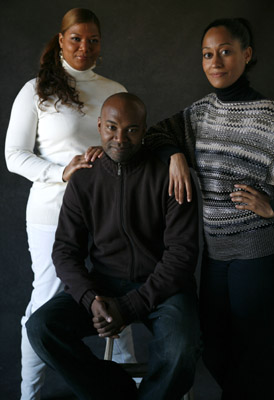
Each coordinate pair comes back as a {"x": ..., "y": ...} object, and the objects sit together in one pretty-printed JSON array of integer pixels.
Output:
[
  {"x": 189, "y": 395},
  {"x": 109, "y": 349}
]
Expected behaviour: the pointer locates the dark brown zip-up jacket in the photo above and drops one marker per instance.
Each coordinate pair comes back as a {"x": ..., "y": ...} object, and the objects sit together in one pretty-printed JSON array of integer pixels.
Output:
[{"x": 138, "y": 233}]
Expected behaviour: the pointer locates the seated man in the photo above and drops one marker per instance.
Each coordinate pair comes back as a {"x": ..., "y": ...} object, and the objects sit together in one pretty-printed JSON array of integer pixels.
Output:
[{"x": 144, "y": 251}]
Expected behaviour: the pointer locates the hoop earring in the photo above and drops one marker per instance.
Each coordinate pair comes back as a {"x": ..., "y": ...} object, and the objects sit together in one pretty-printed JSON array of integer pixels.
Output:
[{"x": 61, "y": 55}]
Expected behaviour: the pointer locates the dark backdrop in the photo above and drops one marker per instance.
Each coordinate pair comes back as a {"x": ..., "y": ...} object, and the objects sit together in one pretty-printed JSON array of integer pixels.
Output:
[{"x": 150, "y": 46}]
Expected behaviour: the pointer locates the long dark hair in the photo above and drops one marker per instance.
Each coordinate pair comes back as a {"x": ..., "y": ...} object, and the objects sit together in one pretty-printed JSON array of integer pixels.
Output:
[
  {"x": 240, "y": 29},
  {"x": 52, "y": 80}
]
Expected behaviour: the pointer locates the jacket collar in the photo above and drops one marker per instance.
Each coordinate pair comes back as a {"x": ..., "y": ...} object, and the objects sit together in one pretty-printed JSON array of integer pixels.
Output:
[{"x": 117, "y": 169}]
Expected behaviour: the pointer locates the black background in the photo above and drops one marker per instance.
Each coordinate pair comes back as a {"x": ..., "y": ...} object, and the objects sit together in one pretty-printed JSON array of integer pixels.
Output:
[{"x": 151, "y": 47}]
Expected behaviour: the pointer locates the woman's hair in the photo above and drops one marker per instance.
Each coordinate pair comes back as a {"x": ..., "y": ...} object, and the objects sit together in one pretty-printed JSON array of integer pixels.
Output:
[
  {"x": 52, "y": 79},
  {"x": 240, "y": 29}
]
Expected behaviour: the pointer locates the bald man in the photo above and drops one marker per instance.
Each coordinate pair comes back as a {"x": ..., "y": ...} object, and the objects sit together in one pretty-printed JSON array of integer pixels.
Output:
[{"x": 144, "y": 252}]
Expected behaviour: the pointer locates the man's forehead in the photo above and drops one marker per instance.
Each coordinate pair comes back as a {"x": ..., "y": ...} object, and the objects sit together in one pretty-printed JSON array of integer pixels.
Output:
[
  {"x": 112, "y": 108},
  {"x": 121, "y": 109}
]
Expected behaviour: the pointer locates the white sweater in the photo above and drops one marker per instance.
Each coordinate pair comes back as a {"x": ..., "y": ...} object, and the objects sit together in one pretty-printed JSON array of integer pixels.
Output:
[{"x": 40, "y": 143}]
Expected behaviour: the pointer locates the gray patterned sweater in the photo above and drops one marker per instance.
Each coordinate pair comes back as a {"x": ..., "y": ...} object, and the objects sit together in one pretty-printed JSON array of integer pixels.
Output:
[{"x": 227, "y": 143}]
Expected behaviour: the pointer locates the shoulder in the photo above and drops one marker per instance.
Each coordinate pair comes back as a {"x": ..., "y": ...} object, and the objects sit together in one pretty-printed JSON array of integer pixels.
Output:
[
  {"x": 28, "y": 90},
  {"x": 265, "y": 104},
  {"x": 113, "y": 85},
  {"x": 261, "y": 112},
  {"x": 26, "y": 99},
  {"x": 199, "y": 108},
  {"x": 155, "y": 163},
  {"x": 30, "y": 86},
  {"x": 210, "y": 98},
  {"x": 211, "y": 103},
  {"x": 81, "y": 177}
]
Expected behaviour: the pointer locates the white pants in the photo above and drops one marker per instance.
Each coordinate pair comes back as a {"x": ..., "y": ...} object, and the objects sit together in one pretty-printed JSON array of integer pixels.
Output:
[{"x": 45, "y": 286}]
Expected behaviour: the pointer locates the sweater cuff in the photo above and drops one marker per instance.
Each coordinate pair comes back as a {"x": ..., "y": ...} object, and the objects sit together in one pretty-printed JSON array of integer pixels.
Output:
[
  {"x": 87, "y": 300},
  {"x": 132, "y": 307},
  {"x": 61, "y": 171},
  {"x": 54, "y": 173},
  {"x": 126, "y": 309}
]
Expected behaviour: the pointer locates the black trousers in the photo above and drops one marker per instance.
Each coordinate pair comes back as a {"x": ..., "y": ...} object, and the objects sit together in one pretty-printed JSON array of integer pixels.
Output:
[
  {"x": 56, "y": 330},
  {"x": 237, "y": 315}
]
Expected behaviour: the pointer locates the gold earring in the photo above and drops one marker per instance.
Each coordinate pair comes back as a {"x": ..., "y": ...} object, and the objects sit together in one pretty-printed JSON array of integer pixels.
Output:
[{"x": 61, "y": 55}]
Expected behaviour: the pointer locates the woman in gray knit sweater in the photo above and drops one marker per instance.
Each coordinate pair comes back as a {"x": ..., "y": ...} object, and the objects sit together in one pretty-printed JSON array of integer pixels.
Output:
[{"x": 228, "y": 138}]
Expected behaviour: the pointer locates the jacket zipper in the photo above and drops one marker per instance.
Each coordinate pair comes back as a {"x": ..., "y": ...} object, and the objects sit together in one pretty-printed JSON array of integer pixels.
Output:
[{"x": 119, "y": 173}]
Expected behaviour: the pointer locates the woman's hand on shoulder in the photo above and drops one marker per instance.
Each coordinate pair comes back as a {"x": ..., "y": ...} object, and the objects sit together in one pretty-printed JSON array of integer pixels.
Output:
[
  {"x": 179, "y": 178},
  {"x": 82, "y": 161},
  {"x": 76, "y": 163},
  {"x": 93, "y": 152},
  {"x": 253, "y": 200}
]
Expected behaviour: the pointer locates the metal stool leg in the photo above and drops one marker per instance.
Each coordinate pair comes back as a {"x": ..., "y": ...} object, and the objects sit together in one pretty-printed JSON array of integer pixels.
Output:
[
  {"x": 189, "y": 395},
  {"x": 109, "y": 349}
]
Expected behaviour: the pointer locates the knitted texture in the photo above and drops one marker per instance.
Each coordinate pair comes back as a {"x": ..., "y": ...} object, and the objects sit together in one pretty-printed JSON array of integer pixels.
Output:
[{"x": 227, "y": 143}]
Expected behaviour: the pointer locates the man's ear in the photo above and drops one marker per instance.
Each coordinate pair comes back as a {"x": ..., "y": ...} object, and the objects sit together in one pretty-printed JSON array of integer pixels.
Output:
[{"x": 99, "y": 125}]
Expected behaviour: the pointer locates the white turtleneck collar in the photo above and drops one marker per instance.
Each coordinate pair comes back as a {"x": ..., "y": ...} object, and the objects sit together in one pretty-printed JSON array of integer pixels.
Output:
[{"x": 79, "y": 76}]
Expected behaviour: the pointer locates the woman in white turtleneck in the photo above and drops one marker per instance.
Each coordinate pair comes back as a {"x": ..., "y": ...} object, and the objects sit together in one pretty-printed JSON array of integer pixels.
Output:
[{"x": 53, "y": 122}]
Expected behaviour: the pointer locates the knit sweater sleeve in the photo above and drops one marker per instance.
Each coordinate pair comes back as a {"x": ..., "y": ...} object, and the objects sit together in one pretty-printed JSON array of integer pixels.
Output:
[
  {"x": 270, "y": 175},
  {"x": 270, "y": 180},
  {"x": 21, "y": 138},
  {"x": 173, "y": 135},
  {"x": 174, "y": 272}
]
